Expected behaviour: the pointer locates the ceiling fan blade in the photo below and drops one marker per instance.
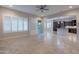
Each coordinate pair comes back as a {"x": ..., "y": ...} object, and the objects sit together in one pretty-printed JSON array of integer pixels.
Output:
[
  {"x": 44, "y": 6},
  {"x": 41, "y": 6}
]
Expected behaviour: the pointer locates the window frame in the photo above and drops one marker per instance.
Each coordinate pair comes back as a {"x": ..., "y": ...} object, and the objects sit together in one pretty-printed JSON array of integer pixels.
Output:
[{"x": 17, "y": 18}]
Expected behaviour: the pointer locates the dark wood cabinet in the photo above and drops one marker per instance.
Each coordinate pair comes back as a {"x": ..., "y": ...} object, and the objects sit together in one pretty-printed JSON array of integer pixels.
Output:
[
  {"x": 72, "y": 23},
  {"x": 72, "y": 30},
  {"x": 55, "y": 26}
]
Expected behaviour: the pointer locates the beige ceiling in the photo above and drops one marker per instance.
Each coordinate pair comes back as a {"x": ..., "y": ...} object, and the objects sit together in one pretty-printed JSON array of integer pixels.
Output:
[{"x": 33, "y": 10}]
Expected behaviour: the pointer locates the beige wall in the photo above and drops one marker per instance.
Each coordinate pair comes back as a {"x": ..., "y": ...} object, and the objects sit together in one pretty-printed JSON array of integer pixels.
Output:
[
  {"x": 66, "y": 13},
  {"x": 9, "y": 12}
]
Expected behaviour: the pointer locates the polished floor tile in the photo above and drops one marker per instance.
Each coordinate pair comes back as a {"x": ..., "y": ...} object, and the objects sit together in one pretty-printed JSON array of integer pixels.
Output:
[{"x": 47, "y": 43}]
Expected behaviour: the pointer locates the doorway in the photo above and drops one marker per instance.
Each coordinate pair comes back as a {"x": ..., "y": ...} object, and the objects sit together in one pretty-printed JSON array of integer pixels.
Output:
[{"x": 39, "y": 26}]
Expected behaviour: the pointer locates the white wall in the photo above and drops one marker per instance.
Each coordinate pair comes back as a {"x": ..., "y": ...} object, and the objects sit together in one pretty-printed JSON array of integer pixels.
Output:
[{"x": 10, "y": 12}]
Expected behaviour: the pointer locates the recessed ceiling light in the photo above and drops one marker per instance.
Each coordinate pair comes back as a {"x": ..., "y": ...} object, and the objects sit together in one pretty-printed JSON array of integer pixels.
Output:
[
  {"x": 70, "y": 6},
  {"x": 10, "y": 5}
]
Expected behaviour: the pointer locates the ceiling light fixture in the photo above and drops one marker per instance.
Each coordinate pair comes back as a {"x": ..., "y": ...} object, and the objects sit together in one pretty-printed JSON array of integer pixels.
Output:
[{"x": 70, "y": 6}]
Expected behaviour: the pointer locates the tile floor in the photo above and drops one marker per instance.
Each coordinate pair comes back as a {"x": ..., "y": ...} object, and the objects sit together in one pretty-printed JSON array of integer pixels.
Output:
[{"x": 47, "y": 43}]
